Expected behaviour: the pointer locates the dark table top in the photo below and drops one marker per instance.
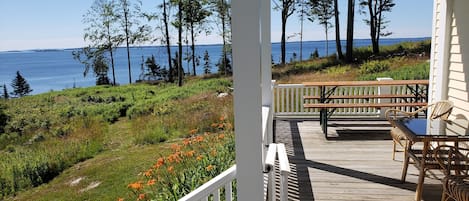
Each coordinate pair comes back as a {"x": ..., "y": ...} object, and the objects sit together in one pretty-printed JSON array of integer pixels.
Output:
[{"x": 435, "y": 128}]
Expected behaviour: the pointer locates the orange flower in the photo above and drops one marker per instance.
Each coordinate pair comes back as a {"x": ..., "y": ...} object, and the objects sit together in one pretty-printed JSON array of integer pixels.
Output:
[
  {"x": 221, "y": 136},
  {"x": 148, "y": 173},
  {"x": 175, "y": 147},
  {"x": 151, "y": 182},
  {"x": 186, "y": 141},
  {"x": 174, "y": 157},
  {"x": 190, "y": 153},
  {"x": 141, "y": 196},
  {"x": 210, "y": 167},
  {"x": 199, "y": 138},
  {"x": 170, "y": 169},
  {"x": 199, "y": 157},
  {"x": 213, "y": 152},
  {"x": 222, "y": 118},
  {"x": 221, "y": 126},
  {"x": 136, "y": 185},
  {"x": 193, "y": 131},
  {"x": 159, "y": 163},
  {"x": 120, "y": 199}
]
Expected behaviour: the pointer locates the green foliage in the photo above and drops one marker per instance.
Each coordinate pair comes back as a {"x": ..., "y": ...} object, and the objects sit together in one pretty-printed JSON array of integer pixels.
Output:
[
  {"x": 207, "y": 66},
  {"x": 3, "y": 119},
  {"x": 94, "y": 59},
  {"x": 402, "y": 49},
  {"x": 315, "y": 54},
  {"x": 47, "y": 133},
  {"x": 154, "y": 70},
  {"x": 152, "y": 136},
  {"x": 23, "y": 167},
  {"x": 5, "y": 92},
  {"x": 193, "y": 162},
  {"x": 374, "y": 66},
  {"x": 224, "y": 65},
  {"x": 20, "y": 86},
  {"x": 417, "y": 72},
  {"x": 307, "y": 66}
]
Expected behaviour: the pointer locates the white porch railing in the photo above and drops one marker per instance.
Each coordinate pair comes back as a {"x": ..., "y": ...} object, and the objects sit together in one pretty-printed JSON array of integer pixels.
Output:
[
  {"x": 284, "y": 171},
  {"x": 288, "y": 99},
  {"x": 214, "y": 186}
]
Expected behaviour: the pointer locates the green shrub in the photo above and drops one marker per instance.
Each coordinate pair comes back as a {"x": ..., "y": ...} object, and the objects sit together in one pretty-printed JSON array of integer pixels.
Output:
[
  {"x": 3, "y": 119},
  {"x": 374, "y": 66},
  {"x": 417, "y": 72},
  {"x": 152, "y": 136}
]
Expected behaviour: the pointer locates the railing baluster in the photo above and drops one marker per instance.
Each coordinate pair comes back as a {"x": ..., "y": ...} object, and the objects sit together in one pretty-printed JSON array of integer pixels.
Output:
[
  {"x": 287, "y": 99},
  {"x": 297, "y": 100},
  {"x": 216, "y": 195},
  {"x": 283, "y": 100},
  {"x": 229, "y": 191}
]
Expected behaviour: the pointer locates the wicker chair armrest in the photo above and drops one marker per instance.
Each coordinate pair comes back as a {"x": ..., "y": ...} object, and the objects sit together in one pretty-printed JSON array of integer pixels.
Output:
[{"x": 393, "y": 114}]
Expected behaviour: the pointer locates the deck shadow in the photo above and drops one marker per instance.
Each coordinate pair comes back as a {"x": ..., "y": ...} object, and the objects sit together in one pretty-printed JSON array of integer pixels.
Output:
[{"x": 305, "y": 185}]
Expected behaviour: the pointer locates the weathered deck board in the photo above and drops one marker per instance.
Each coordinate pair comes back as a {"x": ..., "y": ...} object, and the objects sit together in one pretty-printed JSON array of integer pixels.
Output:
[{"x": 356, "y": 164}]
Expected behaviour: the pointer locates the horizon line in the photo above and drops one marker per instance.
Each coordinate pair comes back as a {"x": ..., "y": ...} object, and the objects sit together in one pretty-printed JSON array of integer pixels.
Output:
[{"x": 205, "y": 44}]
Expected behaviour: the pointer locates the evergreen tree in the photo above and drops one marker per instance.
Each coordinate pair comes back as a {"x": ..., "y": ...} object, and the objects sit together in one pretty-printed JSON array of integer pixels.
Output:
[
  {"x": 95, "y": 60},
  {"x": 20, "y": 86},
  {"x": 224, "y": 65},
  {"x": 3, "y": 119},
  {"x": 206, "y": 62},
  {"x": 5, "y": 92}
]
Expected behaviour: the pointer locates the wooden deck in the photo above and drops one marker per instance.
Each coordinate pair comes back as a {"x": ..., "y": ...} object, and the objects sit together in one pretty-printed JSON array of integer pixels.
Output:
[{"x": 354, "y": 163}]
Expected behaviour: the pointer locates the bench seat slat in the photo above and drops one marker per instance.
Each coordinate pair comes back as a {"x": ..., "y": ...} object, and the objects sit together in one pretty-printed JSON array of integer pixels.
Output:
[
  {"x": 362, "y": 105},
  {"x": 364, "y": 96}
]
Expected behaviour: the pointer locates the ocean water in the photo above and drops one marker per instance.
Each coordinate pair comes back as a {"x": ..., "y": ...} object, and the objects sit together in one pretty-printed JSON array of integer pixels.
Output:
[{"x": 47, "y": 70}]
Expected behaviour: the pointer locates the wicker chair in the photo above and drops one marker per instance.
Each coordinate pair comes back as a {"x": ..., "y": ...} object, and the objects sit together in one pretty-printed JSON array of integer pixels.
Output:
[
  {"x": 441, "y": 109},
  {"x": 455, "y": 164}
]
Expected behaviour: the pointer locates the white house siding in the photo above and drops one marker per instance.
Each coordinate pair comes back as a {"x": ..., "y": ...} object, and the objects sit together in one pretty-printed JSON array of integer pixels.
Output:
[{"x": 458, "y": 71}]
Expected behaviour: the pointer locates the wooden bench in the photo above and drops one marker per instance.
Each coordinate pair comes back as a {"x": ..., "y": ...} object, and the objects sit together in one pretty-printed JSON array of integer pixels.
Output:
[
  {"x": 326, "y": 97},
  {"x": 362, "y": 105},
  {"x": 371, "y": 96}
]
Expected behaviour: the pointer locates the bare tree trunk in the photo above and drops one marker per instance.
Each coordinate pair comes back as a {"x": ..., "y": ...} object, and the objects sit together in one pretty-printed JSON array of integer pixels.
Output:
[
  {"x": 193, "y": 48},
  {"x": 180, "y": 69},
  {"x": 112, "y": 65},
  {"x": 168, "y": 44},
  {"x": 301, "y": 30},
  {"x": 223, "y": 27},
  {"x": 350, "y": 23},
  {"x": 283, "y": 41},
  {"x": 112, "y": 56},
  {"x": 126, "y": 19},
  {"x": 327, "y": 41},
  {"x": 337, "y": 32},
  {"x": 373, "y": 22}
]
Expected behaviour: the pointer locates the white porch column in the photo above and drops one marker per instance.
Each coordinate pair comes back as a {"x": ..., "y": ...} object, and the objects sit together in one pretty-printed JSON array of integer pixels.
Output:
[
  {"x": 266, "y": 63},
  {"x": 247, "y": 98},
  {"x": 441, "y": 36}
]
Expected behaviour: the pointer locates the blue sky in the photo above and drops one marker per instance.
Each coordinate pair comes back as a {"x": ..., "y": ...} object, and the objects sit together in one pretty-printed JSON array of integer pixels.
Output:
[{"x": 44, "y": 24}]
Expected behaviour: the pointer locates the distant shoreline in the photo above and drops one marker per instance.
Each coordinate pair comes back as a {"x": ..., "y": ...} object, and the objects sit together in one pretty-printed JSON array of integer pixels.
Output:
[{"x": 201, "y": 45}]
